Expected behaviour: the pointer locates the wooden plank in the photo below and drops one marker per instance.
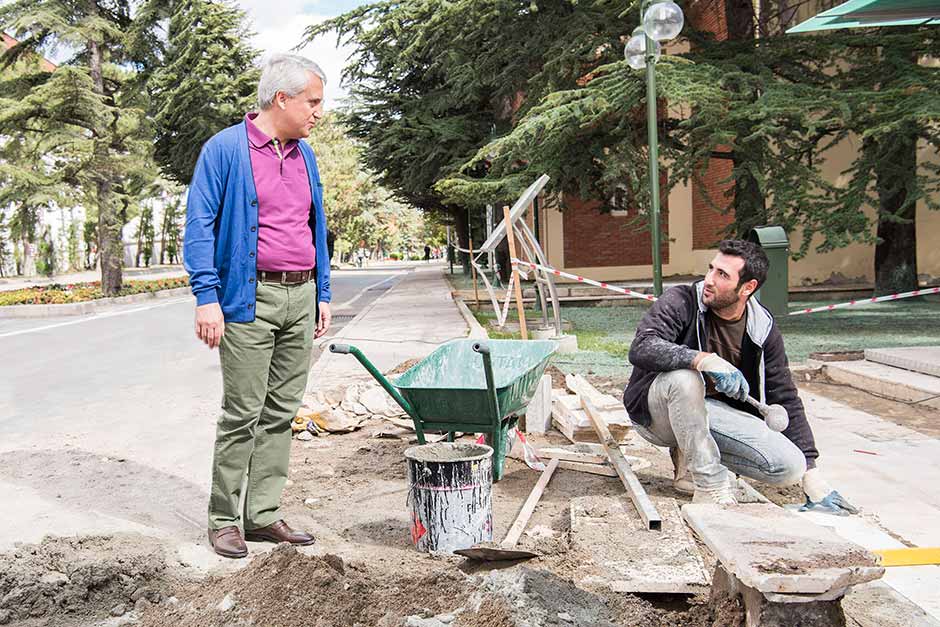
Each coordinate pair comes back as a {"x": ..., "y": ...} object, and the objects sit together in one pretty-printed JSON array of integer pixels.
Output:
[
  {"x": 511, "y": 239},
  {"x": 637, "y": 494},
  {"x": 582, "y": 387},
  {"x": 570, "y": 454},
  {"x": 604, "y": 470},
  {"x": 617, "y": 552},
  {"x": 777, "y": 551},
  {"x": 515, "y": 532}
]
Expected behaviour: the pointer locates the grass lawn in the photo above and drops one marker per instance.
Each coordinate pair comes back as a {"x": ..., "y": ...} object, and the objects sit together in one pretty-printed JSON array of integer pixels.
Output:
[{"x": 605, "y": 333}]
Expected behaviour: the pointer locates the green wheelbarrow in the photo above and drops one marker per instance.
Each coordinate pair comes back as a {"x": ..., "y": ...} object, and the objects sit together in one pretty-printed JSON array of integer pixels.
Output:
[{"x": 468, "y": 385}]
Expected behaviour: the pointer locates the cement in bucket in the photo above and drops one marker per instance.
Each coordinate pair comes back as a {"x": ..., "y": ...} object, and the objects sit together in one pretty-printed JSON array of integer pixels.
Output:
[{"x": 450, "y": 495}]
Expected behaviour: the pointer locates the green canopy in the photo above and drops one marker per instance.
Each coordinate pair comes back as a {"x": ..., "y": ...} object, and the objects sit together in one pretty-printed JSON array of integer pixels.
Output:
[{"x": 871, "y": 13}]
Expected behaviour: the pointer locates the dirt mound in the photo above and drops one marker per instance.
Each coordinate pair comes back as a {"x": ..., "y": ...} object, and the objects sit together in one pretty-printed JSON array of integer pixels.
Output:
[
  {"x": 286, "y": 588},
  {"x": 85, "y": 577}
]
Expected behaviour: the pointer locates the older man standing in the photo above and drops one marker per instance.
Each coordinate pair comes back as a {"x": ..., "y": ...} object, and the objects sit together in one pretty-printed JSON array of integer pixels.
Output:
[{"x": 255, "y": 249}]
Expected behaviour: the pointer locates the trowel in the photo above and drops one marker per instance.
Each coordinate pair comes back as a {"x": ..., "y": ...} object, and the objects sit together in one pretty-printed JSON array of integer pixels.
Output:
[{"x": 505, "y": 550}]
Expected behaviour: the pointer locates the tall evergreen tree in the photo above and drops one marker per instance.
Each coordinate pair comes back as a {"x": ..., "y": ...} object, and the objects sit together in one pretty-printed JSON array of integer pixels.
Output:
[
  {"x": 203, "y": 80},
  {"x": 433, "y": 80},
  {"x": 88, "y": 106}
]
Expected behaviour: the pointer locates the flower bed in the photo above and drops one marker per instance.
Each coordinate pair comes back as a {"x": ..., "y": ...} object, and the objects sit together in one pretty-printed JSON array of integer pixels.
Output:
[{"x": 57, "y": 294}]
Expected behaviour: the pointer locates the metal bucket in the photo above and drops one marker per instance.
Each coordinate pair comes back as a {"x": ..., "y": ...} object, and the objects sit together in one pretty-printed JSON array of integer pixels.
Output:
[{"x": 450, "y": 495}]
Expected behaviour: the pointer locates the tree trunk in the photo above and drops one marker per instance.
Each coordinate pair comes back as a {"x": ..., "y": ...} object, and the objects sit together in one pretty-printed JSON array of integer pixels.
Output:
[
  {"x": 463, "y": 235},
  {"x": 896, "y": 250},
  {"x": 110, "y": 244}
]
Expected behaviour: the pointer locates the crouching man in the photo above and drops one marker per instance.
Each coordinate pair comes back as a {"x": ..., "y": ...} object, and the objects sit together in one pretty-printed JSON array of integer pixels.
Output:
[{"x": 699, "y": 352}]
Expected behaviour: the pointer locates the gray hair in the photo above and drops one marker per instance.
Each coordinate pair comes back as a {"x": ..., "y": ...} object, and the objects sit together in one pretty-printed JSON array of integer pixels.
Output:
[{"x": 286, "y": 73}]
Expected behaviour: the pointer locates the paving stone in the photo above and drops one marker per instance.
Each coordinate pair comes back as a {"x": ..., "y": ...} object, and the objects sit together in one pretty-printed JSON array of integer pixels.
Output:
[
  {"x": 923, "y": 359},
  {"x": 621, "y": 554},
  {"x": 776, "y": 551}
]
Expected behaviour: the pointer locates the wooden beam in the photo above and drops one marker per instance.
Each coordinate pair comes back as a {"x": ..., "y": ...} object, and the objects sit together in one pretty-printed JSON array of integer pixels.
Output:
[
  {"x": 511, "y": 239},
  {"x": 604, "y": 470},
  {"x": 572, "y": 456},
  {"x": 515, "y": 532},
  {"x": 644, "y": 506}
]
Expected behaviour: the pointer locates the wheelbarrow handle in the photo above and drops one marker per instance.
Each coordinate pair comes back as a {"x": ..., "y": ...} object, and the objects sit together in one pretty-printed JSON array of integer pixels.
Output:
[
  {"x": 346, "y": 349},
  {"x": 481, "y": 347}
]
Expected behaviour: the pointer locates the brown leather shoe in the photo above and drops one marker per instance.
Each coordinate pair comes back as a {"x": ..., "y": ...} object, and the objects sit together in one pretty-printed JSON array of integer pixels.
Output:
[
  {"x": 228, "y": 542},
  {"x": 280, "y": 532}
]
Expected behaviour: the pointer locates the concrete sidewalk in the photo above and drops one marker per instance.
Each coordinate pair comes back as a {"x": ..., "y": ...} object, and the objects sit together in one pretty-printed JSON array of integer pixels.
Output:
[
  {"x": 408, "y": 322},
  {"x": 892, "y": 474}
]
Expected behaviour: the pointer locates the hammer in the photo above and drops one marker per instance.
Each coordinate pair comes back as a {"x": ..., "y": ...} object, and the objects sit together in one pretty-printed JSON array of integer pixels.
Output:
[{"x": 775, "y": 416}]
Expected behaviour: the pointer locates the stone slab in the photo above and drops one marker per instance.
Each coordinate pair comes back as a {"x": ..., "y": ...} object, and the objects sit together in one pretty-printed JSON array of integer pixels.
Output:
[
  {"x": 616, "y": 551},
  {"x": 538, "y": 415},
  {"x": 922, "y": 359},
  {"x": 894, "y": 383},
  {"x": 571, "y": 420},
  {"x": 776, "y": 551}
]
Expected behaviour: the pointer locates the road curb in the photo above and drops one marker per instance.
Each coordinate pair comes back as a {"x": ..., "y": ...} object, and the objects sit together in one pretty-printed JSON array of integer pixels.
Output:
[
  {"x": 87, "y": 307},
  {"x": 477, "y": 332}
]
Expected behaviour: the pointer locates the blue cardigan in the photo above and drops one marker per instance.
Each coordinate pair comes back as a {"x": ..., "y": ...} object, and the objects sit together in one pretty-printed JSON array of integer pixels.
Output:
[{"x": 221, "y": 240}]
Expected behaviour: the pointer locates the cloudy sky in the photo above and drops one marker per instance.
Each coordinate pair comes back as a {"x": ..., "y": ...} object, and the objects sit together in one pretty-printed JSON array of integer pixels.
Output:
[{"x": 279, "y": 26}]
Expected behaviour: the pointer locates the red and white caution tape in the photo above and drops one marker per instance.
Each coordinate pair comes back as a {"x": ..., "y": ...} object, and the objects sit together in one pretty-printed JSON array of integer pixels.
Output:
[
  {"x": 581, "y": 279},
  {"x": 651, "y": 298},
  {"x": 868, "y": 301}
]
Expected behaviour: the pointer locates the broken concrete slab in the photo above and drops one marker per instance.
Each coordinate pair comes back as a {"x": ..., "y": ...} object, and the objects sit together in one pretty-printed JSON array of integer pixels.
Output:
[
  {"x": 775, "y": 551},
  {"x": 571, "y": 420},
  {"x": 621, "y": 554},
  {"x": 763, "y": 612}
]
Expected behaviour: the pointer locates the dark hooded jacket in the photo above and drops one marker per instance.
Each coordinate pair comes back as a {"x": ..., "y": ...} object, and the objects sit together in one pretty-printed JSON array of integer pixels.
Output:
[{"x": 674, "y": 331}]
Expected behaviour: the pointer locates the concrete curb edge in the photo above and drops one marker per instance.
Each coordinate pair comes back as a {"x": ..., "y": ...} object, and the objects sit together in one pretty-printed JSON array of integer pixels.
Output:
[{"x": 87, "y": 307}]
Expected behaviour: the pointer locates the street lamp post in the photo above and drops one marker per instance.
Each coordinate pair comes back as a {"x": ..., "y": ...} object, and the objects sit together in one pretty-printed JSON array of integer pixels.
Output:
[{"x": 661, "y": 20}]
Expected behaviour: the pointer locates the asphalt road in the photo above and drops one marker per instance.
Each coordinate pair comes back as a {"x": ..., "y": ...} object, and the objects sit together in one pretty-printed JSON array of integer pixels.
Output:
[{"x": 107, "y": 421}]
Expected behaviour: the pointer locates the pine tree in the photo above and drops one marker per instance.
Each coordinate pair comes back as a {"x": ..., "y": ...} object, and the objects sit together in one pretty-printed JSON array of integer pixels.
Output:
[
  {"x": 46, "y": 260},
  {"x": 203, "y": 81},
  {"x": 88, "y": 108},
  {"x": 145, "y": 235},
  {"x": 171, "y": 229}
]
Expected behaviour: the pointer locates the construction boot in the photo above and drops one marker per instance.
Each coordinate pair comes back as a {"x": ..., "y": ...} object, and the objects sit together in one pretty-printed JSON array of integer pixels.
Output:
[
  {"x": 720, "y": 495},
  {"x": 682, "y": 480}
]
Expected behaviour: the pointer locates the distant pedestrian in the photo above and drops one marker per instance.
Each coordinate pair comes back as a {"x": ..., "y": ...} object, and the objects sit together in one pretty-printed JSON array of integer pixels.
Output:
[
  {"x": 427, "y": 253},
  {"x": 258, "y": 262}
]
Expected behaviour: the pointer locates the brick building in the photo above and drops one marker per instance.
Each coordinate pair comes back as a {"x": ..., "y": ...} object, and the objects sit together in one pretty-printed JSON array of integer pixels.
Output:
[{"x": 579, "y": 238}]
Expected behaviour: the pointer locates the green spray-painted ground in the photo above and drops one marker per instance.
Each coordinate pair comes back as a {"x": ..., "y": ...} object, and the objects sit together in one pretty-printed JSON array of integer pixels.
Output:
[{"x": 605, "y": 333}]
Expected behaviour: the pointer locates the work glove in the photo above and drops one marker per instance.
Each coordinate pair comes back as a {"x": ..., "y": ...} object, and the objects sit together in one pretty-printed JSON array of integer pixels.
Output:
[
  {"x": 820, "y": 497},
  {"x": 727, "y": 379}
]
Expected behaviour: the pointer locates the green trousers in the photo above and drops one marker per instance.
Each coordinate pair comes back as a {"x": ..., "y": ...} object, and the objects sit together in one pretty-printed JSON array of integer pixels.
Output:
[{"x": 264, "y": 374}]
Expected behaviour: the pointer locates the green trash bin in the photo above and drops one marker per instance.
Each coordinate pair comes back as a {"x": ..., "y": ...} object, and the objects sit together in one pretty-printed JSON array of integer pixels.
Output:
[{"x": 773, "y": 293}]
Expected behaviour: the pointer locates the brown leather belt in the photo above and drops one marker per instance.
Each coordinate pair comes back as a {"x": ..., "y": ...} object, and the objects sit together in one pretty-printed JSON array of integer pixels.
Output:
[{"x": 287, "y": 277}]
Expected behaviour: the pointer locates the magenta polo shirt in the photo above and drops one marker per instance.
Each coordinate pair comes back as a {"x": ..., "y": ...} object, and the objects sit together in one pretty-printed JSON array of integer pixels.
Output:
[{"x": 284, "y": 238}]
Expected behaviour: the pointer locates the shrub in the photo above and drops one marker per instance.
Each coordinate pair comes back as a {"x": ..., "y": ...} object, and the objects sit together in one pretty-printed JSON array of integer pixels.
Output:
[{"x": 55, "y": 293}]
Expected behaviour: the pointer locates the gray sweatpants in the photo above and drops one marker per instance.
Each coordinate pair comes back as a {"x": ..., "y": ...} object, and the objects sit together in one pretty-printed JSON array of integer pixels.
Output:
[{"x": 715, "y": 437}]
